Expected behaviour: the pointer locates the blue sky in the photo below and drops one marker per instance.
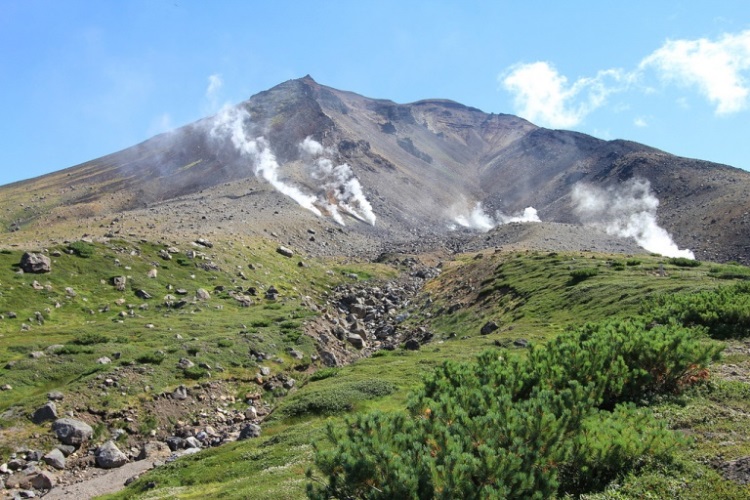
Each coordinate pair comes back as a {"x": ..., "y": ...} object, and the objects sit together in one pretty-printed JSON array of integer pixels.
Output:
[{"x": 80, "y": 79}]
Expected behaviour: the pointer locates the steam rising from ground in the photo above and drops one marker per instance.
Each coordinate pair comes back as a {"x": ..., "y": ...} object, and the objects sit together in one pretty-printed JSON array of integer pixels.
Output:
[
  {"x": 342, "y": 189},
  {"x": 339, "y": 190},
  {"x": 628, "y": 211},
  {"x": 479, "y": 219}
]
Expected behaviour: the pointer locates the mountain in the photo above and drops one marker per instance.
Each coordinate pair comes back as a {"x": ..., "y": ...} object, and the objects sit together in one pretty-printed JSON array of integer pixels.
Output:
[{"x": 303, "y": 156}]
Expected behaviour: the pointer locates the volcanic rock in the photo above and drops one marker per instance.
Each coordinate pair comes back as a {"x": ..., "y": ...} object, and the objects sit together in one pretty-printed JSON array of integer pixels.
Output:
[
  {"x": 45, "y": 413},
  {"x": 35, "y": 263},
  {"x": 71, "y": 431},
  {"x": 109, "y": 456}
]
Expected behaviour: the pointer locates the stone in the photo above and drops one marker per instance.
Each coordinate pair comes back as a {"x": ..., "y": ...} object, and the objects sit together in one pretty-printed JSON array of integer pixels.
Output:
[
  {"x": 119, "y": 283},
  {"x": 181, "y": 393},
  {"x": 193, "y": 442},
  {"x": 66, "y": 449},
  {"x": 282, "y": 250},
  {"x": 55, "y": 458},
  {"x": 143, "y": 294},
  {"x": 72, "y": 431},
  {"x": 42, "y": 480},
  {"x": 202, "y": 294},
  {"x": 356, "y": 340},
  {"x": 250, "y": 431},
  {"x": 175, "y": 443},
  {"x": 35, "y": 263},
  {"x": 104, "y": 360},
  {"x": 185, "y": 363},
  {"x": 45, "y": 413},
  {"x": 488, "y": 328},
  {"x": 154, "y": 449},
  {"x": 109, "y": 456},
  {"x": 412, "y": 345}
]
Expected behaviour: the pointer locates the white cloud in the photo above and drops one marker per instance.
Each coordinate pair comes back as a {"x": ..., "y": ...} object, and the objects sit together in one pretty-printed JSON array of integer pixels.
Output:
[
  {"x": 544, "y": 96},
  {"x": 640, "y": 122},
  {"x": 719, "y": 69}
]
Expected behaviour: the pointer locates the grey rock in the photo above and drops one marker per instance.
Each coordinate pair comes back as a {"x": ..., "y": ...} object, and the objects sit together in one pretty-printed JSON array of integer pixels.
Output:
[
  {"x": 193, "y": 442},
  {"x": 104, "y": 360},
  {"x": 55, "y": 458},
  {"x": 35, "y": 263},
  {"x": 202, "y": 294},
  {"x": 175, "y": 443},
  {"x": 250, "y": 431},
  {"x": 143, "y": 294},
  {"x": 42, "y": 480},
  {"x": 45, "y": 413},
  {"x": 185, "y": 363},
  {"x": 119, "y": 283},
  {"x": 66, "y": 449},
  {"x": 72, "y": 431},
  {"x": 412, "y": 345},
  {"x": 109, "y": 456},
  {"x": 488, "y": 328},
  {"x": 356, "y": 340},
  {"x": 154, "y": 449},
  {"x": 181, "y": 393},
  {"x": 282, "y": 250}
]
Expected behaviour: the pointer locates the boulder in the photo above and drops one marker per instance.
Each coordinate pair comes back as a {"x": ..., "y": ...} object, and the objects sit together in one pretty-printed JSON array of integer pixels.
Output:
[
  {"x": 181, "y": 393},
  {"x": 119, "y": 283},
  {"x": 45, "y": 413},
  {"x": 42, "y": 480},
  {"x": 35, "y": 263},
  {"x": 250, "y": 431},
  {"x": 488, "y": 328},
  {"x": 55, "y": 458},
  {"x": 109, "y": 456},
  {"x": 282, "y": 250},
  {"x": 356, "y": 340},
  {"x": 202, "y": 294},
  {"x": 154, "y": 449},
  {"x": 72, "y": 431}
]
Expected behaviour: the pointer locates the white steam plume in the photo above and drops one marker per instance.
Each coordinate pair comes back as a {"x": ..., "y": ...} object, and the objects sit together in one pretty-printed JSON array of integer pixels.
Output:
[
  {"x": 628, "y": 211},
  {"x": 342, "y": 190},
  {"x": 479, "y": 219},
  {"x": 230, "y": 122}
]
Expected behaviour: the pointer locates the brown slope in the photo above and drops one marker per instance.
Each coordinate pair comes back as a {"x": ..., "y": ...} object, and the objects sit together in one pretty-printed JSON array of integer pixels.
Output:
[{"x": 417, "y": 163}]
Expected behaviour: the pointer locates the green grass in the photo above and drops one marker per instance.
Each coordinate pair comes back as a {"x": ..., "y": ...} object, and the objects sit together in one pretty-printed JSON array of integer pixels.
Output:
[{"x": 530, "y": 295}]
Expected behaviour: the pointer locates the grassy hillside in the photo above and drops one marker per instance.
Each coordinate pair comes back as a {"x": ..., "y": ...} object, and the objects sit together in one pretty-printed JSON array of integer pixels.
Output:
[{"x": 532, "y": 297}]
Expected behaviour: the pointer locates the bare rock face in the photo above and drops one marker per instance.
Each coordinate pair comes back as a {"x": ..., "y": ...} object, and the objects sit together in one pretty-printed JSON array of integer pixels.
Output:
[
  {"x": 71, "y": 431},
  {"x": 35, "y": 263},
  {"x": 109, "y": 456}
]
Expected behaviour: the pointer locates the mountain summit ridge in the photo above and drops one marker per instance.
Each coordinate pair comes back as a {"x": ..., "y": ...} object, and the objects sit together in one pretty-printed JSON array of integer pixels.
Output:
[{"x": 421, "y": 166}]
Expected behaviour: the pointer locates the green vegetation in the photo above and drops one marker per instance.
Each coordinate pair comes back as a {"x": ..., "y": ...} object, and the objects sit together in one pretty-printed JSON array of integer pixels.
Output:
[
  {"x": 623, "y": 393},
  {"x": 560, "y": 421}
]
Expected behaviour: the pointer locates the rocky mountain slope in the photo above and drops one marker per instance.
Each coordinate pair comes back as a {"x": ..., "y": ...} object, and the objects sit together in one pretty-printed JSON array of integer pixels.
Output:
[{"x": 302, "y": 155}]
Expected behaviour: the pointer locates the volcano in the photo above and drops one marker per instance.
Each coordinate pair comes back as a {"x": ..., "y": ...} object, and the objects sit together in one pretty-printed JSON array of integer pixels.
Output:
[{"x": 302, "y": 157}]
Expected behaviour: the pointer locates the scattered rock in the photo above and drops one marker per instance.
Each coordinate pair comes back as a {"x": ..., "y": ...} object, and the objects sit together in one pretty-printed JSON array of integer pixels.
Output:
[
  {"x": 356, "y": 340},
  {"x": 55, "y": 458},
  {"x": 181, "y": 393},
  {"x": 202, "y": 294},
  {"x": 55, "y": 395},
  {"x": 104, "y": 360},
  {"x": 285, "y": 251},
  {"x": 143, "y": 294},
  {"x": 185, "y": 364},
  {"x": 119, "y": 283},
  {"x": 109, "y": 456},
  {"x": 71, "y": 431},
  {"x": 45, "y": 413},
  {"x": 412, "y": 345},
  {"x": 488, "y": 328},
  {"x": 250, "y": 431},
  {"x": 35, "y": 263}
]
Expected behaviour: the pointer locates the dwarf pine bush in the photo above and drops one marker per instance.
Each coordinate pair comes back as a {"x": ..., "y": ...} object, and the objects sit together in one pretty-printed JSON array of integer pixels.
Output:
[{"x": 560, "y": 421}]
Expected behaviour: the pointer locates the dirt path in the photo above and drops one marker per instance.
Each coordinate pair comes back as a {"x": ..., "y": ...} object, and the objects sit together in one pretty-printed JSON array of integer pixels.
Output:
[{"x": 100, "y": 483}]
